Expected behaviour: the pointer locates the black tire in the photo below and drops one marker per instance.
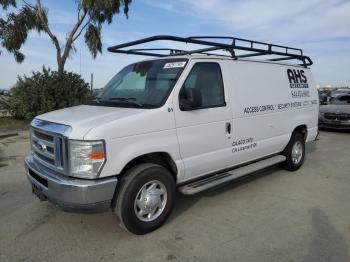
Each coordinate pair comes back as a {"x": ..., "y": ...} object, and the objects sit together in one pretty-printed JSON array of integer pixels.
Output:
[
  {"x": 129, "y": 188},
  {"x": 289, "y": 164}
]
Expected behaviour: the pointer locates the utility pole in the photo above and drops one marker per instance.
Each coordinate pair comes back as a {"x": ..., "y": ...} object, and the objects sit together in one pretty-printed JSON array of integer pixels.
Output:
[
  {"x": 92, "y": 82},
  {"x": 80, "y": 62}
]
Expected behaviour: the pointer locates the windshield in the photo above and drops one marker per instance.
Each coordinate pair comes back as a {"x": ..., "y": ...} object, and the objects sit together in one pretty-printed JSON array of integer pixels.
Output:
[
  {"x": 142, "y": 85},
  {"x": 340, "y": 100}
]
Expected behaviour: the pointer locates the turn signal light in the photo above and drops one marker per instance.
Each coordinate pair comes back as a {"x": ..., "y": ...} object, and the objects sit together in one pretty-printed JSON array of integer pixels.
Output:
[{"x": 96, "y": 155}]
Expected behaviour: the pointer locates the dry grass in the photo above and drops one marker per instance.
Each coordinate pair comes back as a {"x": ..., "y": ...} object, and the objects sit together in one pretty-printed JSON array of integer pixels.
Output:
[{"x": 9, "y": 124}]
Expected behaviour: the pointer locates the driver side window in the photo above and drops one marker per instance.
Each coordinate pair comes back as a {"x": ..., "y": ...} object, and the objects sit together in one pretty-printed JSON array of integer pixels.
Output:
[{"x": 205, "y": 82}]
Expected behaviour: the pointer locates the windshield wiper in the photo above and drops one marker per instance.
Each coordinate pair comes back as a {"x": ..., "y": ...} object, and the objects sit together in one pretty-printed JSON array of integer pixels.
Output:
[{"x": 129, "y": 100}]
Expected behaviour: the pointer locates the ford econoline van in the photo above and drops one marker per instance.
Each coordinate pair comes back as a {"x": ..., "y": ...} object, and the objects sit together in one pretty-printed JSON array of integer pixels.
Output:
[{"x": 185, "y": 120}]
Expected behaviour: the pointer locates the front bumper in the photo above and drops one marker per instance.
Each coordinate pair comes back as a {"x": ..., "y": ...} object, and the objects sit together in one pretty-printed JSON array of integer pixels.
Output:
[
  {"x": 71, "y": 194},
  {"x": 329, "y": 124}
]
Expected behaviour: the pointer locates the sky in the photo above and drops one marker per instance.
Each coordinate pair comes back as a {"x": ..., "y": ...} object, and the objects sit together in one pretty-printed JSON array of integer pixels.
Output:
[{"x": 320, "y": 27}]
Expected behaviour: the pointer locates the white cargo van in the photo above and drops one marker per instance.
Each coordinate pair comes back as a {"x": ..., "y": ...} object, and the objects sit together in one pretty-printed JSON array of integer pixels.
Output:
[{"x": 186, "y": 121}]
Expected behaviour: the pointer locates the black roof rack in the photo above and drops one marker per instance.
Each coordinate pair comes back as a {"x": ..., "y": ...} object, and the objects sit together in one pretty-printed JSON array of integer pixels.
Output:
[{"x": 216, "y": 43}]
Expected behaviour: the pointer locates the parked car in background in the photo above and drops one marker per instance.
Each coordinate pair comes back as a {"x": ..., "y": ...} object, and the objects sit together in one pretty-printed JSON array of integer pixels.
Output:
[
  {"x": 97, "y": 92},
  {"x": 335, "y": 113},
  {"x": 4, "y": 92},
  {"x": 323, "y": 96}
]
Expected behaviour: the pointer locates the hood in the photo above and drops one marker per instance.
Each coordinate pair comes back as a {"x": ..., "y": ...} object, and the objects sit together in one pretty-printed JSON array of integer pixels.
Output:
[
  {"x": 85, "y": 117},
  {"x": 101, "y": 122},
  {"x": 335, "y": 109}
]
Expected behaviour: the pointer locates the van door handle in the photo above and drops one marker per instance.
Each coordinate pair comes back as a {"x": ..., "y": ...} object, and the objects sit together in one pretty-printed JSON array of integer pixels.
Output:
[{"x": 228, "y": 128}]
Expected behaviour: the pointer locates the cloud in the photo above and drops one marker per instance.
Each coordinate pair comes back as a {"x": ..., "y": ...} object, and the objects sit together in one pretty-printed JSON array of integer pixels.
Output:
[
  {"x": 319, "y": 27},
  {"x": 159, "y": 4},
  {"x": 286, "y": 20}
]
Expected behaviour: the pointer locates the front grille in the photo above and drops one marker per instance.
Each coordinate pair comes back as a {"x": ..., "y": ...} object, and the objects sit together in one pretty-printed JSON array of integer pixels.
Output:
[
  {"x": 43, "y": 136},
  {"x": 337, "y": 116},
  {"x": 48, "y": 149},
  {"x": 49, "y": 160}
]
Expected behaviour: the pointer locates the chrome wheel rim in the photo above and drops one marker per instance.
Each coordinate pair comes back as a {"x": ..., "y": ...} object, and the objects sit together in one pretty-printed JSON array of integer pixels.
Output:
[
  {"x": 297, "y": 152},
  {"x": 150, "y": 201}
]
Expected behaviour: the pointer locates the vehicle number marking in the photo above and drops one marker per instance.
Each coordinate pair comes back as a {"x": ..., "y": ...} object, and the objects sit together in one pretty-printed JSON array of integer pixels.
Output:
[{"x": 174, "y": 65}]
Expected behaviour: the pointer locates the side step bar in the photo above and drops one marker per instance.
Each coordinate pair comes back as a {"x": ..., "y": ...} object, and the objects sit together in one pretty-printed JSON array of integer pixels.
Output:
[{"x": 221, "y": 178}]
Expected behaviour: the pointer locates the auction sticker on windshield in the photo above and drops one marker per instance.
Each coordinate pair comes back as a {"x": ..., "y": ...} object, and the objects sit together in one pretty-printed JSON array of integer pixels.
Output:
[{"x": 175, "y": 64}]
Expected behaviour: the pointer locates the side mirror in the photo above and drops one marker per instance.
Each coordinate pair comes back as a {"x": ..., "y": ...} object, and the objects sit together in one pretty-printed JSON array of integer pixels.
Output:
[{"x": 190, "y": 99}]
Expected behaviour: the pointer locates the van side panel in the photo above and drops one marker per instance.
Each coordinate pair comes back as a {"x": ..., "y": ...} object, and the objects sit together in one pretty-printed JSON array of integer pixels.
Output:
[{"x": 270, "y": 101}]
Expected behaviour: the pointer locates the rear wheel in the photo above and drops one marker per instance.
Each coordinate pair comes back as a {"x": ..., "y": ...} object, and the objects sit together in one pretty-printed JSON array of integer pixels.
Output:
[
  {"x": 294, "y": 152},
  {"x": 145, "y": 198}
]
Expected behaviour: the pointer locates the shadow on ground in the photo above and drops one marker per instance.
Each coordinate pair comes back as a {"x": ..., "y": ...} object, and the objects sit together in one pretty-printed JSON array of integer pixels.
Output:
[
  {"x": 186, "y": 202},
  {"x": 327, "y": 244}
]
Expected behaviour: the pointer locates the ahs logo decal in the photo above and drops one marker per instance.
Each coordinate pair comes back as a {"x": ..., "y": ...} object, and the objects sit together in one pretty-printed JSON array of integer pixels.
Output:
[{"x": 297, "y": 78}]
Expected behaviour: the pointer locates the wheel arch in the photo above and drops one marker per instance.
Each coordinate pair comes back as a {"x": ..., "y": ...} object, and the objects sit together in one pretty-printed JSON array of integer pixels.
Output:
[
  {"x": 301, "y": 129},
  {"x": 160, "y": 158}
]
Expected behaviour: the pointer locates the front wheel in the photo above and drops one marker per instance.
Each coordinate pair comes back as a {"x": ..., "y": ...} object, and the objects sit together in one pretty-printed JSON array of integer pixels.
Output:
[
  {"x": 294, "y": 152},
  {"x": 145, "y": 198}
]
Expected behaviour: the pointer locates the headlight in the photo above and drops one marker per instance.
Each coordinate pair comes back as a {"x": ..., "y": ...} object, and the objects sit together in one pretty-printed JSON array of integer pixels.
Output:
[{"x": 86, "y": 158}]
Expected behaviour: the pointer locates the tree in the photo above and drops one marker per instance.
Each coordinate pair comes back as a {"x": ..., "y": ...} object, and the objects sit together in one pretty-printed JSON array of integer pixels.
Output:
[
  {"x": 91, "y": 15},
  {"x": 46, "y": 91}
]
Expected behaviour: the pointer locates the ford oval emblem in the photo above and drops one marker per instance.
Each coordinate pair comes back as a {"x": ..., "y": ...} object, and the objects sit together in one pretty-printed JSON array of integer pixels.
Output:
[{"x": 41, "y": 147}]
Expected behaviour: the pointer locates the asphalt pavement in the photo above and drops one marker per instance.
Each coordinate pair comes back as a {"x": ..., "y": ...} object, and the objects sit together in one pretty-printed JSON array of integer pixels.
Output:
[{"x": 274, "y": 215}]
